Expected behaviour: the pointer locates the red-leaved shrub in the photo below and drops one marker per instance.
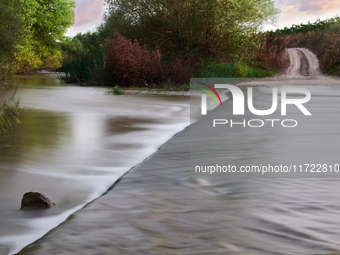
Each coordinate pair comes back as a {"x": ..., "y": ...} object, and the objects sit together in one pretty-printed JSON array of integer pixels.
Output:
[
  {"x": 131, "y": 63},
  {"x": 180, "y": 71},
  {"x": 272, "y": 51}
]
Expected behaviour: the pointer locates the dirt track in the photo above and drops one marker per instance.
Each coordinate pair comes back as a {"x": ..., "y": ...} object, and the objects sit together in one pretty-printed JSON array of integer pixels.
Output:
[
  {"x": 303, "y": 70},
  {"x": 302, "y": 63}
]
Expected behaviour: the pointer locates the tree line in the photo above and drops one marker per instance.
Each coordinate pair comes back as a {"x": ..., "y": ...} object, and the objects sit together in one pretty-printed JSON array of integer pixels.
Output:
[
  {"x": 30, "y": 32},
  {"x": 318, "y": 25},
  {"x": 193, "y": 38}
]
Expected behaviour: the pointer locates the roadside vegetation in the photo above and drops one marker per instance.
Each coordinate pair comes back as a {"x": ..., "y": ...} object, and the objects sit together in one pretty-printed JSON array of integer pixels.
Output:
[
  {"x": 154, "y": 44},
  {"x": 321, "y": 37},
  {"x": 164, "y": 43}
]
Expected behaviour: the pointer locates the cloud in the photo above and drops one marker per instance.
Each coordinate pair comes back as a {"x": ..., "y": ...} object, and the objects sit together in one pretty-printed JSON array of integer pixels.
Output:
[
  {"x": 87, "y": 11},
  {"x": 302, "y": 11},
  {"x": 310, "y": 7},
  {"x": 319, "y": 7}
]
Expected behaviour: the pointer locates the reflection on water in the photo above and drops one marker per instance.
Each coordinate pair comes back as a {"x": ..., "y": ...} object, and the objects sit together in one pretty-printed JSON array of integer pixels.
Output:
[
  {"x": 124, "y": 124},
  {"x": 40, "y": 131},
  {"x": 73, "y": 144}
]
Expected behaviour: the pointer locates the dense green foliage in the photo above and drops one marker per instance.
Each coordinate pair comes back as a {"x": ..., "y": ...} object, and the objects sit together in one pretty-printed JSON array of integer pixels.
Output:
[
  {"x": 83, "y": 67},
  {"x": 309, "y": 27},
  {"x": 158, "y": 41},
  {"x": 225, "y": 69},
  {"x": 83, "y": 59},
  {"x": 44, "y": 23},
  {"x": 29, "y": 31},
  {"x": 182, "y": 25},
  {"x": 9, "y": 114},
  {"x": 321, "y": 37},
  {"x": 10, "y": 31}
]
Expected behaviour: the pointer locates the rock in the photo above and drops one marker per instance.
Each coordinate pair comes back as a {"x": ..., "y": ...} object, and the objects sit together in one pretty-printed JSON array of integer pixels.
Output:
[{"x": 35, "y": 200}]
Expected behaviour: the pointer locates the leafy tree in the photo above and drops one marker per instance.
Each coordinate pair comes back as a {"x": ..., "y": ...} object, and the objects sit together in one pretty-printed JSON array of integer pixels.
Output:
[
  {"x": 29, "y": 31},
  {"x": 178, "y": 25},
  {"x": 83, "y": 58},
  {"x": 72, "y": 46},
  {"x": 10, "y": 30},
  {"x": 90, "y": 41},
  {"x": 44, "y": 23},
  {"x": 47, "y": 20}
]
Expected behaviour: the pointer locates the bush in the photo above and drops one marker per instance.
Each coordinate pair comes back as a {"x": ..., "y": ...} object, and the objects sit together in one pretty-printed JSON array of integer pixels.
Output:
[
  {"x": 180, "y": 71},
  {"x": 131, "y": 63},
  {"x": 214, "y": 69},
  {"x": 9, "y": 114},
  {"x": 321, "y": 37},
  {"x": 272, "y": 51},
  {"x": 83, "y": 68},
  {"x": 124, "y": 62},
  {"x": 116, "y": 90}
]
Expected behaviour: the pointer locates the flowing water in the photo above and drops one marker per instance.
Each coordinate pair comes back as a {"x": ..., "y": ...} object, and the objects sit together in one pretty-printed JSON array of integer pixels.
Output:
[
  {"x": 73, "y": 144},
  {"x": 160, "y": 206}
]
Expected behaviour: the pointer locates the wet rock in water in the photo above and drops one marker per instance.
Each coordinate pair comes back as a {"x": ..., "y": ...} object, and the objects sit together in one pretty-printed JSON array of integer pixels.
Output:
[{"x": 35, "y": 200}]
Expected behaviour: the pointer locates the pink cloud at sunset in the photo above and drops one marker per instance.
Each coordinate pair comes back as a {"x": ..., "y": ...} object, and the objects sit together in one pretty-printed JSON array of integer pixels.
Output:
[
  {"x": 87, "y": 11},
  {"x": 302, "y": 11},
  {"x": 319, "y": 6},
  {"x": 88, "y": 15}
]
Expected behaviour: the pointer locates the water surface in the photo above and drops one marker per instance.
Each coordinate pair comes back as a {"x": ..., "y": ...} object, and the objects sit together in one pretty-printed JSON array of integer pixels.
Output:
[
  {"x": 159, "y": 207},
  {"x": 73, "y": 144}
]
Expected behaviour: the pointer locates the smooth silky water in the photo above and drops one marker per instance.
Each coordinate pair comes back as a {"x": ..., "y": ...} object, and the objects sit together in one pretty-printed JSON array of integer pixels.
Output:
[
  {"x": 161, "y": 206},
  {"x": 73, "y": 144}
]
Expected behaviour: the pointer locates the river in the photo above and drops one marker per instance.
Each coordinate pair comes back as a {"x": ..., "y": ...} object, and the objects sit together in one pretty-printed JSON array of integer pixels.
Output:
[
  {"x": 73, "y": 144},
  {"x": 160, "y": 206}
]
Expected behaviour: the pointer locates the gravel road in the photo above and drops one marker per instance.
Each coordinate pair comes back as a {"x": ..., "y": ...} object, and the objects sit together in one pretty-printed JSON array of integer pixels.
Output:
[{"x": 303, "y": 70}]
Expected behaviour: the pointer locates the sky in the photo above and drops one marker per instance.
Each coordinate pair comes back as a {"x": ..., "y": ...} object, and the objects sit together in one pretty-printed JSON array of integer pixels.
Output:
[{"x": 88, "y": 13}]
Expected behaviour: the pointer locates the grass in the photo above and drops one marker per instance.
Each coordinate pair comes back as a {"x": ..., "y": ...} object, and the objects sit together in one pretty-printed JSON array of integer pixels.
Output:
[
  {"x": 116, "y": 90},
  {"x": 231, "y": 70},
  {"x": 83, "y": 68},
  {"x": 217, "y": 70},
  {"x": 9, "y": 114}
]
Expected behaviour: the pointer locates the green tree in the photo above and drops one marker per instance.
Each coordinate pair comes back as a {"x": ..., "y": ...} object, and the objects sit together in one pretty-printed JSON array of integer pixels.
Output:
[
  {"x": 182, "y": 24},
  {"x": 29, "y": 31},
  {"x": 10, "y": 31},
  {"x": 83, "y": 58},
  {"x": 44, "y": 24}
]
